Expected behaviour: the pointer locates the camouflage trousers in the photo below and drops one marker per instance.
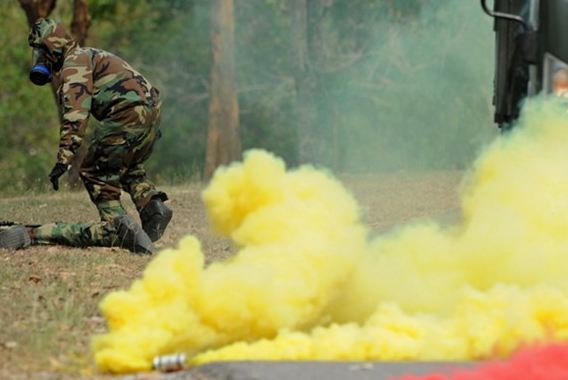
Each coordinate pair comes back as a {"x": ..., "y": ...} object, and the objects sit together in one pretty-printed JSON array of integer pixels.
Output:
[
  {"x": 101, "y": 234},
  {"x": 114, "y": 162}
]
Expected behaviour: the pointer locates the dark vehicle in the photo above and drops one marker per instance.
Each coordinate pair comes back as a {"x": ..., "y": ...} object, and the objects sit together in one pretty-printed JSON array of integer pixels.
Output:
[{"x": 531, "y": 53}]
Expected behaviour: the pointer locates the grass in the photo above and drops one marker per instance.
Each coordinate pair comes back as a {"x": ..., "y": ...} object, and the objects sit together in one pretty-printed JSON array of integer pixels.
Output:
[
  {"x": 49, "y": 295},
  {"x": 50, "y": 299}
]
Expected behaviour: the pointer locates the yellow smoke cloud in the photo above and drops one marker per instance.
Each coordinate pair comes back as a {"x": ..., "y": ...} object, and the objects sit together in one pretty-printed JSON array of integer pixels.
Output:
[
  {"x": 300, "y": 239},
  {"x": 307, "y": 283}
]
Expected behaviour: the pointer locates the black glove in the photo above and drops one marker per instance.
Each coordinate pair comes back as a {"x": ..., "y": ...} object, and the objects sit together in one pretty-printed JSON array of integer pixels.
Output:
[{"x": 57, "y": 171}]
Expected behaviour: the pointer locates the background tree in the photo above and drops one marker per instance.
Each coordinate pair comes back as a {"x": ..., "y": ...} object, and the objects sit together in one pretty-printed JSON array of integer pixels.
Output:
[
  {"x": 35, "y": 9},
  {"x": 316, "y": 112},
  {"x": 81, "y": 21},
  {"x": 381, "y": 85},
  {"x": 310, "y": 145},
  {"x": 223, "y": 140}
]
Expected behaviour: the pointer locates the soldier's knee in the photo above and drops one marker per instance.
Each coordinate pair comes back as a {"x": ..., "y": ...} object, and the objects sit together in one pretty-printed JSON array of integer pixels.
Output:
[{"x": 110, "y": 209}]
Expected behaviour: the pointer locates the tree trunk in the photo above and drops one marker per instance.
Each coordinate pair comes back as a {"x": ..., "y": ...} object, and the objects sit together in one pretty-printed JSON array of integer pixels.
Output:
[
  {"x": 79, "y": 30},
  {"x": 304, "y": 82},
  {"x": 307, "y": 45},
  {"x": 35, "y": 9},
  {"x": 81, "y": 21},
  {"x": 223, "y": 141}
]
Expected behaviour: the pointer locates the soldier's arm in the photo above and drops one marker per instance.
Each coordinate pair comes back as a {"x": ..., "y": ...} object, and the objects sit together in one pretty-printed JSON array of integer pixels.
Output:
[{"x": 75, "y": 97}]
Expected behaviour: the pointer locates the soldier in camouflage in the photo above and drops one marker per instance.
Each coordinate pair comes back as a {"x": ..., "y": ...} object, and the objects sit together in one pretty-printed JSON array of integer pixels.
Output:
[{"x": 95, "y": 82}]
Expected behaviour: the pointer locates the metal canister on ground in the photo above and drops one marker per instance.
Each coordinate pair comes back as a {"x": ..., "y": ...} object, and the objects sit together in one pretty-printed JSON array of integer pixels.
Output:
[{"x": 169, "y": 363}]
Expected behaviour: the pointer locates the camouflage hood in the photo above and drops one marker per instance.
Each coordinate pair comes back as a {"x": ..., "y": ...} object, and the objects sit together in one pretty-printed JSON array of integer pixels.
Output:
[{"x": 50, "y": 35}]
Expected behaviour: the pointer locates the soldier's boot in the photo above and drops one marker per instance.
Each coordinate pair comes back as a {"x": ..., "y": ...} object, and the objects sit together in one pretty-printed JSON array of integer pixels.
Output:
[
  {"x": 155, "y": 217},
  {"x": 15, "y": 238},
  {"x": 131, "y": 236}
]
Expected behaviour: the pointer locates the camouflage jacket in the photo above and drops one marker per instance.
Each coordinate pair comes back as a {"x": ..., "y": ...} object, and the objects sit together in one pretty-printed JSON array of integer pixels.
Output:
[{"x": 91, "y": 81}]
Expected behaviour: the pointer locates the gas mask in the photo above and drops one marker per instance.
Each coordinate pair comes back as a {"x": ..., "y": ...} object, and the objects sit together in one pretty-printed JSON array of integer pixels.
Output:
[{"x": 43, "y": 66}]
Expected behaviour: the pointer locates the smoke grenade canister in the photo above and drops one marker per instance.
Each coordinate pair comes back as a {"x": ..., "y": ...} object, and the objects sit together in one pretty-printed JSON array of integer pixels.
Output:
[{"x": 169, "y": 363}]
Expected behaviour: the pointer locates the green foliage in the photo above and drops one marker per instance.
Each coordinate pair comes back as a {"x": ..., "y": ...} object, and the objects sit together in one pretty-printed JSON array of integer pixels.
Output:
[
  {"x": 28, "y": 118},
  {"x": 405, "y": 84},
  {"x": 420, "y": 99}
]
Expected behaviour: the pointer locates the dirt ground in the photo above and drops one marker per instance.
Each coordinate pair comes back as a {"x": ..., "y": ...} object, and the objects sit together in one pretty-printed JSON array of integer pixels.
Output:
[{"x": 49, "y": 295}]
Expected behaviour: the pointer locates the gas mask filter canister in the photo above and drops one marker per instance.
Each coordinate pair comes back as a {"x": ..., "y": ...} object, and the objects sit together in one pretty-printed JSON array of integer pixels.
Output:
[{"x": 40, "y": 74}]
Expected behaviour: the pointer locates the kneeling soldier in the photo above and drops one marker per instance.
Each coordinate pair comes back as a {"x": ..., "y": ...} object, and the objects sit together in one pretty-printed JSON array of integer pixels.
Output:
[{"x": 93, "y": 81}]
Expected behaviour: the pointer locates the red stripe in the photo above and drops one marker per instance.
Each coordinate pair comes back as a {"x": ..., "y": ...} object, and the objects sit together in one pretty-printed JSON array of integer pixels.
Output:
[{"x": 537, "y": 363}]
